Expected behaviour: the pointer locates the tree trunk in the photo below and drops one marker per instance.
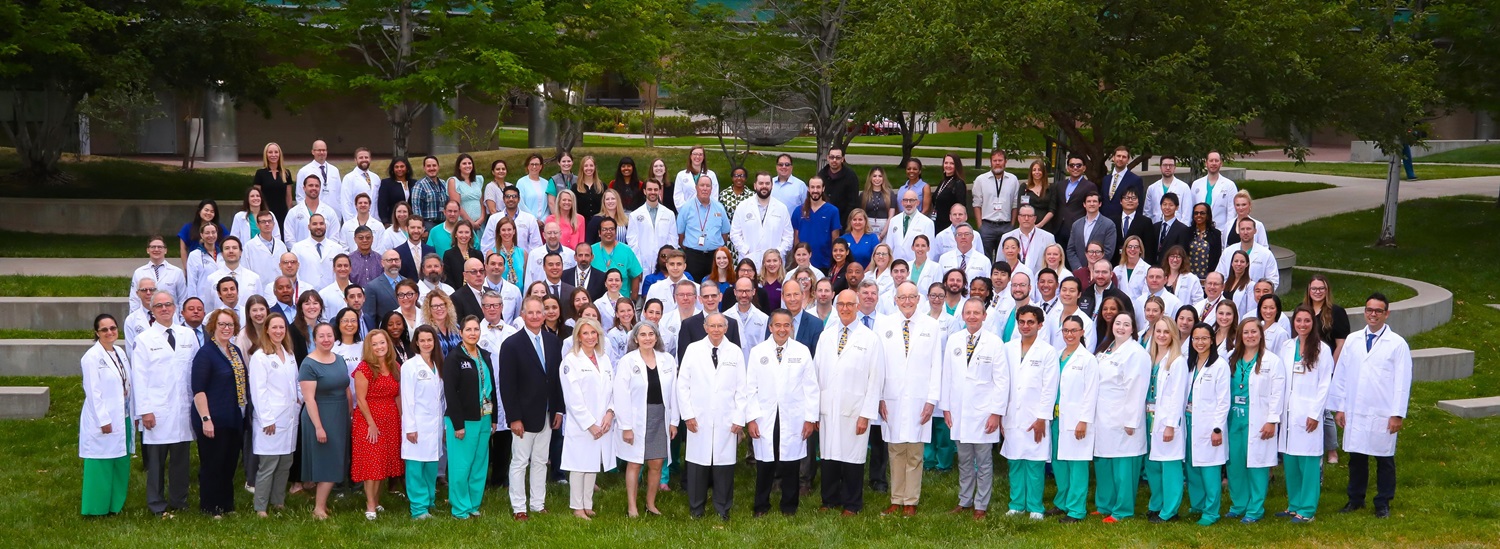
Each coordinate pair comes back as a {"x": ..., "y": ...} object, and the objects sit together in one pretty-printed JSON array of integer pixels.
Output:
[
  {"x": 190, "y": 137},
  {"x": 1392, "y": 197},
  {"x": 40, "y": 144},
  {"x": 400, "y": 117}
]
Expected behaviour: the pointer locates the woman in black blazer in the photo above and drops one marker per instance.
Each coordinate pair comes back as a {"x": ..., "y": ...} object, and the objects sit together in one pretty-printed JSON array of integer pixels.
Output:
[
  {"x": 469, "y": 389},
  {"x": 221, "y": 395},
  {"x": 1205, "y": 242},
  {"x": 396, "y": 187},
  {"x": 276, "y": 185},
  {"x": 464, "y": 247}
]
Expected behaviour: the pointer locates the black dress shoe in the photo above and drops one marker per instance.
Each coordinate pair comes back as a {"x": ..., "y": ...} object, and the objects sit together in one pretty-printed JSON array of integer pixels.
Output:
[
  {"x": 1055, "y": 512},
  {"x": 1156, "y": 519},
  {"x": 1351, "y": 507},
  {"x": 1153, "y": 514},
  {"x": 1068, "y": 520},
  {"x": 1382, "y": 512}
]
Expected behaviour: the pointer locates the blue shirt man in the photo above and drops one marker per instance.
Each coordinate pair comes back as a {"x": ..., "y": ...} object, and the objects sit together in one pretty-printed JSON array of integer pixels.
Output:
[
  {"x": 817, "y": 224},
  {"x": 702, "y": 225}
]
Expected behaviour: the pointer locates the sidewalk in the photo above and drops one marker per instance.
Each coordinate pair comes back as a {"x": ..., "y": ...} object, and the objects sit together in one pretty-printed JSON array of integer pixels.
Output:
[
  {"x": 70, "y": 266},
  {"x": 1352, "y": 194}
]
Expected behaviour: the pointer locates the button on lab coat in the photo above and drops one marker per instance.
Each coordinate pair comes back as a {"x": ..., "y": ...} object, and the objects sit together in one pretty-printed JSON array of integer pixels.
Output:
[
  {"x": 715, "y": 397},
  {"x": 849, "y": 388},
  {"x": 976, "y": 387},
  {"x": 786, "y": 391},
  {"x": 1371, "y": 387}
]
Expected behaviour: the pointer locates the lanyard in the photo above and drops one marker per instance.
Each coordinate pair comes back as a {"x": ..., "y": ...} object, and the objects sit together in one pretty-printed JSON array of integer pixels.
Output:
[
  {"x": 703, "y": 222},
  {"x": 1026, "y": 245}
]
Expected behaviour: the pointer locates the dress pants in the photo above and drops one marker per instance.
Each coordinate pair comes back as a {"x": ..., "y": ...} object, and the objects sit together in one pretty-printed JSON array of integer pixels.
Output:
[
  {"x": 529, "y": 455},
  {"x": 554, "y": 459},
  {"x": 247, "y": 447},
  {"x": 1359, "y": 479},
  {"x": 809, "y": 467},
  {"x": 105, "y": 484},
  {"x": 500, "y": 459},
  {"x": 468, "y": 464},
  {"x": 699, "y": 263},
  {"x": 581, "y": 490},
  {"x": 218, "y": 457},
  {"x": 880, "y": 459},
  {"x": 271, "y": 477},
  {"x": 1304, "y": 476},
  {"x": 906, "y": 472},
  {"x": 421, "y": 485},
  {"x": 990, "y": 233},
  {"x": 700, "y": 478},
  {"x": 976, "y": 474},
  {"x": 1027, "y": 481},
  {"x": 166, "y": 463},
  {"x": 843, "y": 485},
  {"x": 767, "y": 472}
]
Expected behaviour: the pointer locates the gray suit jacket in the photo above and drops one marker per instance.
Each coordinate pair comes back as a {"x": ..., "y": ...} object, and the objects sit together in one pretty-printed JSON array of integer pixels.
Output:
[{"x": 1104, "y": 232}]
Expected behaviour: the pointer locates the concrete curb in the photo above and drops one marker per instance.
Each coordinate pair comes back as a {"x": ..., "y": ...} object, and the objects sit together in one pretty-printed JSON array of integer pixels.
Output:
[
  {"x": 24, "y": 402},
  {"x": 42, "y": 357},
  {"x": 1286, "y": 263},
  {"x": 57, "y": 313},
  {"x": 1432, "y": 306},
  {"x": 1472, "y": 408},
  {"x": 1441, "y": 364},
  {"x": 87, "y": 216}
]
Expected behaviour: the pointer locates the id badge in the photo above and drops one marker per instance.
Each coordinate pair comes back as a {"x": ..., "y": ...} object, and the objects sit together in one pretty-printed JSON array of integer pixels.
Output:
[
  {"x": 1241, "y": 401},
  {"x": 1299, "y": 369},
  {"x": 1189, "y": 408},
  {"x": 1025, "y": 199},
  {"x": 486, "y": 408},
  {"x": 1151, "y": 408},
  {"x": 997, "y": 206},
  {"x": 702, "y": 239}
]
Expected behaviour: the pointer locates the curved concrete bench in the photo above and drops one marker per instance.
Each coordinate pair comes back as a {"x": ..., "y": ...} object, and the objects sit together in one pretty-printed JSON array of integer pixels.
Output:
[
  {"x": 1471, "y": 408},
  {"x": 42, "y": 357},
  {"x": 94, "y": 216},
  {"x": 1441, "y": 364},
  {"x": 24, "y": 402},
  {"x": 1430, "y": 308},
  {"x": 1286, "y": 261},
  {"x": 57, "y": 313}
]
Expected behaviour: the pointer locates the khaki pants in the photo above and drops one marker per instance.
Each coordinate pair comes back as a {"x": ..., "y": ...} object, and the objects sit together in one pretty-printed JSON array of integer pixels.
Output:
[{"x": 906, "y": 472}]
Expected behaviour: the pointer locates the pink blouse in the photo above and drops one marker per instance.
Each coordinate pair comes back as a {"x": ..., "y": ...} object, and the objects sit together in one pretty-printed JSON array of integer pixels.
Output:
[{"x": 571, "y": 236}]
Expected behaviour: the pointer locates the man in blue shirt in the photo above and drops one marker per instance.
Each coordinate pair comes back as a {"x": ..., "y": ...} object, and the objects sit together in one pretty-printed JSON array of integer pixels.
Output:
[
  {"x": 817, "y": 224},
  {"x": 702, "y": 227},
  {"x": 787, "y": 188}
]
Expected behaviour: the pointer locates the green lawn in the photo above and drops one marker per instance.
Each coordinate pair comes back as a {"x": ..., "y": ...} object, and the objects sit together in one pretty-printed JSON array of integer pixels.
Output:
[
  {"x": 1478, "y": 154},
  {"x": 1446, "y": 496},
  {"x": 64, "y": 286},
  {"x": 1374, "y": 170},
  {"x": 14, "y": 244},
  {"x": 100, "y": 177},
  {"x": 1346, "y": 288},
  {"x": 1269, "y": 188},
  {"x": 46, "y": 334}
]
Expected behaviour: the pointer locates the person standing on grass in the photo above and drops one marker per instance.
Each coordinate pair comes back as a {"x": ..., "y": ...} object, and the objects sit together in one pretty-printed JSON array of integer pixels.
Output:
[
  {"x": 1333, "y": 326},
  {"x": 976, "y": 385},
  {"x": 1257, "y": 387},
  {"x": 165, "y": 276},
  {"x": 1308, "y": 376},
  {"x": 851, "y": 374},
  {"x": 422, "y": 416},
  {"x": 377, "y": 420},
  {"x": 273, "y": 389},
  {"x": 1165, "y": 403},
  {"x": 781, "y": 412},
  {"x": 1120, "y": 448},
  {"x": 106, "y": 436},
  {"x": 1033, "y": 392},
  {"x": 163, "y": 360},
  {"x": 324, "y": 381},
  {"x": 1371, "y": 390},
  {"x": 1073, "y": 421},
  {"x": 531, "y": 392},
  {"x": 711, "y": 397},
  {"x": 587, "y": 388},
  {"x": 1208, "y": 394},
  {"x": 220, "y": 395},
  {"x": 469, "y": 393}
]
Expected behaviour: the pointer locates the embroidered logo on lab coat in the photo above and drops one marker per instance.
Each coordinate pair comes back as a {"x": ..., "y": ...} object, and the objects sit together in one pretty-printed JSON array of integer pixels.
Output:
[
  {"x": 957, "y": 351},
  {"x": 765, "y": 360},
  {"x": 423, "y": 375},
  {"x": 565, "y": 369},
  {"x": 640, "y": 217},
  {"x": 889, "y": 333}
]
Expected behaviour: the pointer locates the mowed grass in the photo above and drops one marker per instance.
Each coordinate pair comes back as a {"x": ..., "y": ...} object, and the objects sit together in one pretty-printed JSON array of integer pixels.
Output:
[
  {"x": 1268, "y": 188},
  {"x": 1347, "y": 289},
  {"x": 101, "y": 177},
  {"x": 17, "y": 244},
  {"x": 46, "y": 334},
  {"x": 64, "y": 286},
  {"x": 1447, "y": 490},
  {"x": 1478, "y": 154},
  {"x": 1372, "y": 170}
]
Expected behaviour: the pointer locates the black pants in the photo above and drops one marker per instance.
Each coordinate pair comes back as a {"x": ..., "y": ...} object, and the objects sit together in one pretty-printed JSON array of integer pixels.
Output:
[
  {"x": 843, "y": 485},
  {"x": 166, "y": 463},
  {"x": 554, "y": 458},
  {"x": 767, "y": 472},
  {"x": 247, "y": 447},
  {"x": 500, "y": 459},
  {"x": 880, "y": 462},
  {"x": 698, "y": 263},
  {"x": 1359, "y": 479},
  {"x": 699, "y": 478},
  {"x": 218, "y": 457},
  {"x": 809, "y": 470}
]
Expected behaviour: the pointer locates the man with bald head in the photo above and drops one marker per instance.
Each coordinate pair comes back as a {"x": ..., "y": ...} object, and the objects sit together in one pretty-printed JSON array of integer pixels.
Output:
[
  {"x": 913, "y": 345},
  {"x": 468, "y": 297},
  {"x": 711, "y": 399},
  {"x": 905, "y": 227},
  {"x": 380, "y": 292},
  {"x": 551, "y": 244},
  {"x": 851, "y": 374},
  {"x": 290, "y": 266},
  {"x": 326, "y": 172}
]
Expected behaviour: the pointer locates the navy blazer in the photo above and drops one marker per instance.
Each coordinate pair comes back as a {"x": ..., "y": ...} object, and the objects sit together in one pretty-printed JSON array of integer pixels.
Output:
[
  {"x": 808, "y": 331},
  {"x": 409, "y": 264},
  {"x": 693, "y": 331},
  {"x": 530, "y": 393},
  {"x": 1177, "y": 235},
  {"x": 1110, "y": 205},
  {"x": 213, "y": 375}
]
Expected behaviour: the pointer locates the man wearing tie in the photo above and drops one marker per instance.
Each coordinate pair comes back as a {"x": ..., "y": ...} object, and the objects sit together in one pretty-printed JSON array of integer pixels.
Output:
[
  {"x": 531, "y": 395},
  {"x": 359, "y": 181},
  {"x": 712, "y": 399},
  {"x": 1120, "y": 179},
  {"x": 695, "y": 328},
  {"x": 168, "y": 277},
  {"x": 494, "y": 281},
  {"x": 781, "y": 411},
  {"x": 415, "y": 249},
  {"x": 851, "y": 374},
  {"x": 906, "y": 226},
  {"x": 316, "y": 253},
  {"x": 1131, "y": 222},
  {"x": 286, "y": 301},
  {"x": 964, "y": 256},
  {"x": 1069, "y": 205},
  {"x": 1369, "y": 396},
  {"x": 976, "y": 389},
  {"x": 1091, "y": 227},
  {"x": 552, "y": 265},
  {"x": 163, "y": 362},
  {"x": 233, "y": 268},
  {"x": 1168, "y": 232},
  {"x": 467, "y": 298},
  {"x": 913, "y": 384},
  {"x": 320, "y": 167},
  {"x": 584, "y": 275}
]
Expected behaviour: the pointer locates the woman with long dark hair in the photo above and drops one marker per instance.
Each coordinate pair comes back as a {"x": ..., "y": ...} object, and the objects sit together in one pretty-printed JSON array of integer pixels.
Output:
[
  {"x": 1258, "y": 388},
  {"x": 1308, "y": 377},
  {"x": 1333, "y": 326},
  {"x": 207, "y": 213},
  {"x": 1208, "y": 396},
  {"x": 952, "y": 190},
  {"x": 628, "y": 183}
]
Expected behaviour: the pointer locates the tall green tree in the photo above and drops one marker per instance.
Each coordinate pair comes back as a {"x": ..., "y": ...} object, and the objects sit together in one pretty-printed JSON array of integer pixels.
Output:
[{"x": 1467, "y": 37}]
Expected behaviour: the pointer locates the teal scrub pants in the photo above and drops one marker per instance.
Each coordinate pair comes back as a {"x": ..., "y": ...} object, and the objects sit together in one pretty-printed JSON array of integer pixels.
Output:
[
  {"x": 1027, "y": 481},
  {"x": 1304, "y": 476},
  {"x": 1208, "y": 479},
  {"x": 1165, "y": 479},
  {"x": 1072, "y": 478},
  {"x": 421, "y": 485},
  {"x": 1119, "y": 478},
  {"x": 105, "y": 484},
  {"x": 468, "y": 466},
  {"x": 940, "y": 453},
  {"x": 1247, "y": 485}
]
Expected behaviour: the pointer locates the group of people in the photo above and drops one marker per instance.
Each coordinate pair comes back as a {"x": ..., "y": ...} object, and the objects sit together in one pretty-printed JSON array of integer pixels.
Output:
[{"x": 373, "y": 332}]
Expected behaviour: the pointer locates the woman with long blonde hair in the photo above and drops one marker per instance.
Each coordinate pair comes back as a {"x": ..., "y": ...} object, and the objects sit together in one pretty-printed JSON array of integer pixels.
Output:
[{"x": 610, "y": 206}]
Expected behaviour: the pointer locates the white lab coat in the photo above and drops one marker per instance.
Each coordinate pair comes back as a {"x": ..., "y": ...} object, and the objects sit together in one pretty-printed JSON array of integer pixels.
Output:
[
  {"x": 1168, "y": 299},
  {"x": 785, "y": 393},
  {"x": 104, "y": 388},
  {"x": 534, "y": 257},
  {"x": 528, "y": 233},
  {"x": 1077, "y": 402},
  {"x": 240, "y": 227},
  {"x": 422, "y": 409},
  {"x": 263, "y": 257},
  {"x": 900, "y": 242},
  {"x": 753, "y": 234},
  {"x": 1154, "y": 192},
  {"x": 1208, "y": 401},
  {"x": 1260, "y": 231},
  {"x": 199, "y": 265},
  {"x": 1306, "y": 398},
  {"x": 1222, "y": 209},
  {"x": 1033, "y": 396},
  {"x": 629, "y": 400},
  {"x": 586, "y": 390},
  {"x": 345, "y": 235},
  {"x": 849, "y": 385},
  {"x": 315, "y": 268},
  {"x": 1032, "y": 247},
  {"x": 974, "y": 387},
  {"x": 1371, "y": 387},
  {"x": 752, "y": 327},
  {"x": 1124, "y": 379},
  {"x": 978, "y": 265},
  {"x": 162, "y": 383},
  {"x": 647, "y": 237},
  {"x": 1262, "y": 265},
  {"x": 913, "y": 379},
  {"x": 715, "y": 397},
  {"x": 172, "y": 281},
  {"x": 1133, "y": 281},
  {"x": 355, "y": 182},
  {"x": 685, "y": 186},
  {"x": 1276, "y": 335},
  {"x": 1189, "y": 290},
  {"x": 300, "y": 216},
  {"x": 249, "y": 284},
  {"x": 1054, "y": 324},
  {"x": 1171, "y": 403},
  {"x": 278, "y": 401},
  {"x": 1267, "y": 405}
]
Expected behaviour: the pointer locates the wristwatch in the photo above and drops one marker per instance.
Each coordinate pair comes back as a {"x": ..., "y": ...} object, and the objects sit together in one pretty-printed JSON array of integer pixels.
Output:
[
  {"x": 1217, "y": 431},
  {"x": 207, "y": 419}
]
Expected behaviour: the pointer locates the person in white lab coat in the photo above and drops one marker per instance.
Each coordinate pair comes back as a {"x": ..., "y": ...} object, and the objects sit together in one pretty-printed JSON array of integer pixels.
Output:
[
  {"x": 752, "y": 323},
  {"x": 913, "y": 385},
  {"x": 1309, "y": 373},
  {"x": 422, "y": 414},
  {"x": 163, "y": 361},
  {"x": 902, "y": 231},
  {"x": 850, "y": 375},
  {"x": 1120, "y": 444},
  {"x": 1165, "y": 405},
  {"x": 1072, "y": 419},
  {"x": 976, "y": 385},
  {"x": 1258, "y": 387},
  {"x": 106, "y": 436},
  {"x": 587, "y": 385},
  {"x": 781, "y": 411},
  {"x": 760, "y": 224},
  {"x": 1216, "y": 191},
  {"x": 1067, "y": 307},
  {"x": 1033, "y": 397},
  {"x": 711, "y": 399},
  {"x": 278, "y": 400},
  {"x": 1209, "y": 395},
  {"x": 1370, "y": 392},
  {"x": 652, "y": 225},
  {"x": 645, "y": 403},
  {"x": 1262, "y": 261}
]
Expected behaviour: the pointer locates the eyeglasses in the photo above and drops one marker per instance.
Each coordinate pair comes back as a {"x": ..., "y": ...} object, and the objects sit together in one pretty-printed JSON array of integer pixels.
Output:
[
  {"x": 1316, "y": 289},
  {"x": 1374, "y": 311},
  {"x": 162, "y": 305},
  {"x": 144, "y": 290},
  {"x": 225, "y": 324},
  {"x": 835, "y": 157},
  {"x": 784, "y": 164},
  {"x": 1075, "y": 165},
  {"x": 107, "y": 329},
  {"x": 473, "y": 271},
  {"x": 404, "y": 295},
  {"x": 490, "y": 306}
]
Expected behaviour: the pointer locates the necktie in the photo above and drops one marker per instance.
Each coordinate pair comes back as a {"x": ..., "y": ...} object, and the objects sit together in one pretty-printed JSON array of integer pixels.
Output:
[
  {"x": 843, "y": 338},
  {"x": 540, "y": 358},
  {"x": 1046, "y": 306},
  {"x": 869, "y": 322},
  {"x": 171, "y": 339},
  {"x": 963, "y": 262},
  {"x": 157, "y": 270},
  {"x": 320, "y": 250},
  {"x": 906, "y": 335},
  {"x": 1114, "y": 184},
  {"x": 496, "y": 326},
  {"x": 973, "y": 338},
  {"x": 199, "y": 333},
  {"x": 1127, "y": 224},
  {"x": 1162, "y": 240},
  {"x": 905, "y": 224},
  {"x": 239, "y": 374},
  {"x": 366, "y": 175},
  {"x": 324, "y": 169},
  {"x": 583, "y": 277},
  {"x": 557, "y": 290},
  {"x": 715, "y": 356},
  {"x": 778, "y": 354},
  {"x": 1369, "y": 342}
]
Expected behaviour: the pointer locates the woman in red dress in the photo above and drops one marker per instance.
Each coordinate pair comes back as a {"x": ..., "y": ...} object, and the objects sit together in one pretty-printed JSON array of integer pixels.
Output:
[{"x": 377, "y": 420}]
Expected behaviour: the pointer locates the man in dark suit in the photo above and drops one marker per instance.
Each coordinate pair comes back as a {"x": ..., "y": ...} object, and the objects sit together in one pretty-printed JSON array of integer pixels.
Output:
[
  {"x": 1102, "y": 286},
  {"x": 1132, "y": 222},
  {"x": 591, "y": 279},
  {"x": 380, "y": 292},
  {"x": 466, "y": 298},
  {"x": 531, "y": 392},
  {"x": 414, "y": 249},
  {"x": 1170, "y": 232},
  {"x": 1092, "y": 227},
  {"x": 552, "y": 264},
  {"x": 1117, "y": 181},
  {"x": 805, "y": 327},
  {"x": 1069, "y": 199},
  {"x": 692, "y": 329}
]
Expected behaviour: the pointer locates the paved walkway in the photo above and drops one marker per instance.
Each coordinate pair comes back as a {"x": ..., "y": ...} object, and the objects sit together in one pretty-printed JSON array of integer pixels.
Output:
[
  {"x": 1352, "y": 194},
  {"x": 70, "y": 266}
]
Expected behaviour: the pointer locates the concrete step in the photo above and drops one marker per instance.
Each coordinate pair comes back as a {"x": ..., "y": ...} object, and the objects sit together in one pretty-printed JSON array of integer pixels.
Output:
[
  {"x": 1441, "y": 364},
  {"x": 1472, "y": 408},
  {"x": 1430, "y": 308},
  {"x": 42, "y": 357},
  {"x": 24, "y": 402},
  {"x": 58, "y": 313}
]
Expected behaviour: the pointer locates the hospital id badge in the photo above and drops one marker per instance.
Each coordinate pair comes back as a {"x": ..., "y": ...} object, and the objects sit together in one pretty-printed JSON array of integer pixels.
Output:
[
  {"x": 1025, "y": 199},
  {"x": 486, "y": 408},
  {"x": 1151, "y": 408},
  {"x": 1241, "y": 401},
  {"x": 702, "y": 239}
]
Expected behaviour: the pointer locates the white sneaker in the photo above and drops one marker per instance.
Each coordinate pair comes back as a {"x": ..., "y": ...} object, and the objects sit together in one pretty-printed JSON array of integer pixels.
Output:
[
  {"x": 1037, "y": 516},
  {"x": 1012, "y": 513}
]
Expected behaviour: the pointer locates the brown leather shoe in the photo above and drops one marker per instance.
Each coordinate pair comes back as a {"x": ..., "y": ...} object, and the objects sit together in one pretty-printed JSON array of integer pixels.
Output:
[
  {"x": 893, "y": 509},
  {"x": 520, "y": 517},
  {"x": 979, "y": 514},
  {"x": 823, "y": 509},
  {"x": 909, "y": 511},
  {"x": 848, "y": 513},
  {"x": 958, "y": 509}
]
